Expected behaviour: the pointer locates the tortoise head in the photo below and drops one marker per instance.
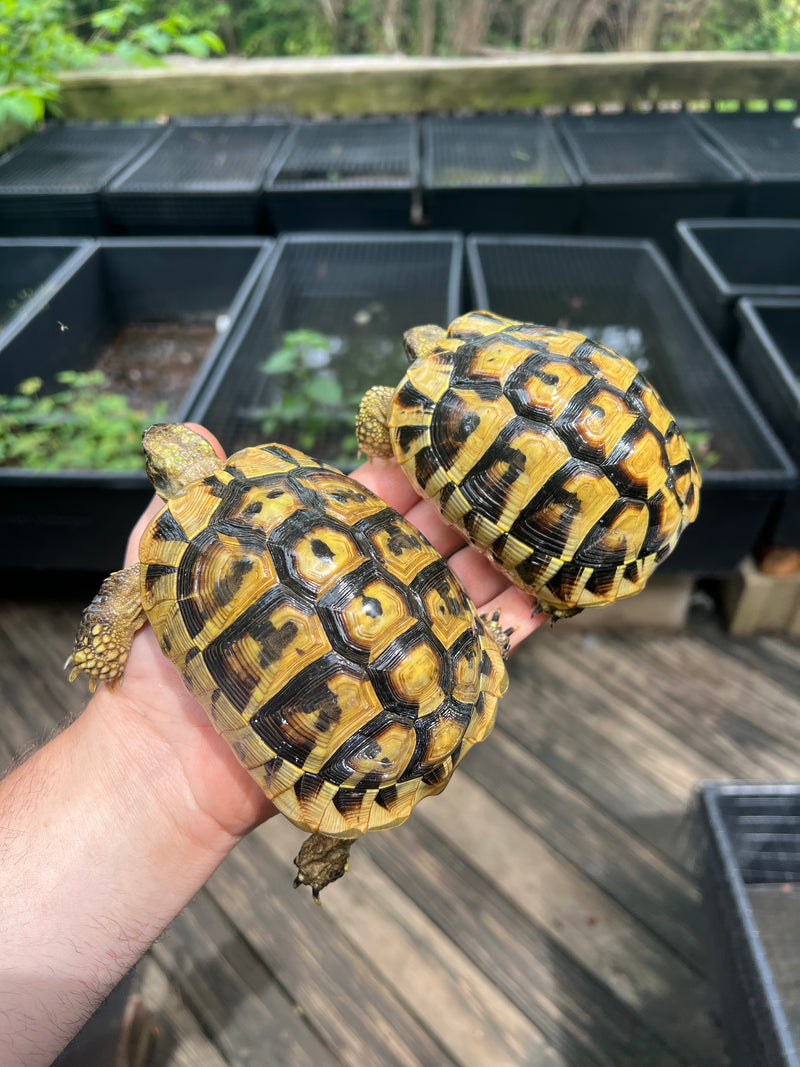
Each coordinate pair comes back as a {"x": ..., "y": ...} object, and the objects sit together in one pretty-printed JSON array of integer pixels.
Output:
[{"x": 176, "y": 457}]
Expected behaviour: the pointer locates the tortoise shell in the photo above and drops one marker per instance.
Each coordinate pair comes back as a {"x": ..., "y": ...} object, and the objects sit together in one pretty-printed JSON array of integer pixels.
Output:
[
  {"x": 552, "y": 454},
  {"x": 330, "y": 644}
]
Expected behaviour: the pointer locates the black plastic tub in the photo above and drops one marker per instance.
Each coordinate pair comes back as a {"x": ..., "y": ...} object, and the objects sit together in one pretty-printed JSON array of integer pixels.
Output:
[
  {"x": 722, "y": 260},
  {"x": 751, "y": 897},
  {"x": 201, "y": 177},
  {"x": 498, "y": 174},
  {"x": 50, "y": 183},
  {"x": 167, "y": 303},
  {"x": 30, "y": 269},
  {"x": 622, "y": 294},
  {"x": 345, "y": 175},
  {"x": 643, "y": 172},
  {"x": 766, "y": 147},
  {"x": 768, "y": 359},
  {"x": 327, "y": 317}
]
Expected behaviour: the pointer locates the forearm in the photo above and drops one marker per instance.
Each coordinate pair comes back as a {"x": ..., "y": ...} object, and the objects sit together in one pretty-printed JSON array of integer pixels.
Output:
[{"x": 101, "y": 845}]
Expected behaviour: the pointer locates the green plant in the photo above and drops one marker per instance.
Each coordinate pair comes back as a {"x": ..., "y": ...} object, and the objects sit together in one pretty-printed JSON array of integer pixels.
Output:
[
  {"x": 312, "y": 405},
  {"x": 77, "y": 427},
  {"x": 38, "y": 41},
  {"x": 699, "y": 442}
]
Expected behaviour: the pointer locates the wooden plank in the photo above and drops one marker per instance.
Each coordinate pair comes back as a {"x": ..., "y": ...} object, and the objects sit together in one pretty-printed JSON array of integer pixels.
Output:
[
  {"x": 474, "y": 1022},
  {"x": 181, "y": 1041},
  {"x": 643, "y": 777},
  {"x": 578, "y": 1015},
  {"x": 635, "y": 875},
  {"x": 700, "y": 697},
  {"x": 236, "y": 998},
  {"x": 334, "y": 982},
  {"x": 620, "y": 953},
  {"x": 342, "y": 85}
]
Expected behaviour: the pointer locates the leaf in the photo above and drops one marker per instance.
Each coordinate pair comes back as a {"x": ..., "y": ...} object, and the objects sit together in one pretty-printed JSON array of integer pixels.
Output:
[
  {"x": 193, "y": 45},
  {"x": 324, "y": 391},
  {"x": 280, "y": 361}
]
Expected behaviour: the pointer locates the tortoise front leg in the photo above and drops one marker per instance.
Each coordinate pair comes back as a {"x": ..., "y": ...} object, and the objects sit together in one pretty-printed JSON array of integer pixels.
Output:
[{"x": 106, "y": 630}]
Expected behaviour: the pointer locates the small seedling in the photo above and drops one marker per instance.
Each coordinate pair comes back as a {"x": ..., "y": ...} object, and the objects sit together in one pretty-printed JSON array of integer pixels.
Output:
[
  {"x": 311, "y": 405},
  {"x": 77, "y": 427}
]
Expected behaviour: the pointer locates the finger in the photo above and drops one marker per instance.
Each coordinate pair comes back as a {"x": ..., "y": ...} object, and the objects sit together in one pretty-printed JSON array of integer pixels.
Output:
[
  {"x": 516, "y": 614},
  {"x": 156, "y": 504},
  {"x": 386, "y": 478},
  {"x": 425, "y": 516},
  {"x": 479, "y": 577}
]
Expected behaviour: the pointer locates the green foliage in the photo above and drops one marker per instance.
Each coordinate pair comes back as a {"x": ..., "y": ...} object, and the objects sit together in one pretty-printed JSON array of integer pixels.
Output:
[
  {"x": 77, "y": 427},
  {"x": 38, "y": 40},
  {"x": 312, "y": 410},
  {"x": 699, "y": 442}
]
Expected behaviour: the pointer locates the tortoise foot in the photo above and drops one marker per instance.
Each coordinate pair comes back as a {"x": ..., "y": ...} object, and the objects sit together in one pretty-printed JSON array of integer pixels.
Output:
[
  {"x": 320, "y": 861},
  {"x": 106, "y": 630}
]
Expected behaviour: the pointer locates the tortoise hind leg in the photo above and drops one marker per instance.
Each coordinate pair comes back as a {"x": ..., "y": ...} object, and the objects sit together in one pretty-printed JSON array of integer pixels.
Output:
[
  {"x": 321, "y": 860},
  {"x": 106, "y": 630}
]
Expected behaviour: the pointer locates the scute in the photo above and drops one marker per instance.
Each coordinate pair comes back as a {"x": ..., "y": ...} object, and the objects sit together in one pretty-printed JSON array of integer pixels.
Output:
[
  {"x": 550, "y": 453},
  {"x": 315, "y": 625}
]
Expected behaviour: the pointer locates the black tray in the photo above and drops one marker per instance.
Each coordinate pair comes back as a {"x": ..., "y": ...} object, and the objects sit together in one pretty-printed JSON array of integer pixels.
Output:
[
  {"x": 80, "y": 520},
  {"x": 358, "y": 293},
  {"x": 766, "y": 147},
  {"x": 721, "y": 260},
  {"x": 624, "y": 295},
  {"x": 30, "y": 268},
  {"x": 768, "y": 359},
  {"x": 643, "y": 172},
  {"x": 344, "y": 175},
  {"x": 201, "y": 176},
  {"x": 498, "y": 174},
  {"x": 50, "y": 183},
  {"x": 751, "y": 896}
]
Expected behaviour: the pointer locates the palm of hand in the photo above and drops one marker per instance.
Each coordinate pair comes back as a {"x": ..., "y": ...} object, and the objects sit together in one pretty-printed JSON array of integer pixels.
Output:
[{"x": 152, "y": 692}]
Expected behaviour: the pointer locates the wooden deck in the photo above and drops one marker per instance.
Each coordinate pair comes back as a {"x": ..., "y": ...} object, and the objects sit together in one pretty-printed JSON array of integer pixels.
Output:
[{"x": 542, "y": 911}]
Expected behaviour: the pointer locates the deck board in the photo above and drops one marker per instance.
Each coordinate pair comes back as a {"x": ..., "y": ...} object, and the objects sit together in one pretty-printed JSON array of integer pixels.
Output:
[{"x": 542, "y": 911}]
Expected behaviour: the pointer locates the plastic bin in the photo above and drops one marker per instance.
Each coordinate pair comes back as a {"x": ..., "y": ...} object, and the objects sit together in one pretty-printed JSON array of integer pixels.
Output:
[
  {"x": 643, "y": 172},
  {"x": 30, "y": 268},
  {"x": 201, "y": 177},
  {"x": 721, "y": 260},
  {"x": 768, "y": 359},
  {"x": 498, "y": 173},
  {"x": 766, "y": 147},
  {"x": 169, "y": 300},
  {"x": 345, "y": 175},
  {"x": 50, "y": 183},
  {"x": 751, "y": 897},
  {"x": 331, "y": 312},
  {"x": 622, "y": 293}
]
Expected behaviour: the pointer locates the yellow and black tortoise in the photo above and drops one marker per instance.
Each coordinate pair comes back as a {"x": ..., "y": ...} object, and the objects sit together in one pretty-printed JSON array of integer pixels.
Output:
[
  {"x": 552, "y": 454},
  {"x": 329, "y": 643}
]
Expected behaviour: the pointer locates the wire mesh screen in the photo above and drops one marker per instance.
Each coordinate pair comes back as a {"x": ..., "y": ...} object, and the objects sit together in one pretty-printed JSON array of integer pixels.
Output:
[
  {"x": 72, "y": 158},
  {"x": 651, "y": 148},
  {"x": 621, "y": 295},
  {"x": 772, "y": 259},
  {"x": 752, "y": 900},
  {"x": 212, "y": 156},
  {"x": 370, "y": 153},
  {"x": 325, "y": 324},
  {"x": 24, "y": 268},
  {"x": 493, "y": 150},
  {"x": 766, "y": 144}
]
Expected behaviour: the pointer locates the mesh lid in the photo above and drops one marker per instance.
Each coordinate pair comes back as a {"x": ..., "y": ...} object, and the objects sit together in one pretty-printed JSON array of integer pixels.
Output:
[
  {"x": 71, "y": 159},
  {"x": 621, "y": 294},
  {"x": 764, "y": 833},
  {"x": 497, "y": 150},
  {"x": 765, "y": 144},
  {"x": 634, "y": 149},
  {"x": 203, "y": 156},
  {"x": 347, "y": 153},
  {"x": 747, "y": 255}
]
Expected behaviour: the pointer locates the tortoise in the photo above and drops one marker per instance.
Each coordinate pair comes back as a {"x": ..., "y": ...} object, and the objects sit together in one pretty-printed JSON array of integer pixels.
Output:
[
  {"x": 550, "y": 453},
  {"x": 330, "y": 644}
]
